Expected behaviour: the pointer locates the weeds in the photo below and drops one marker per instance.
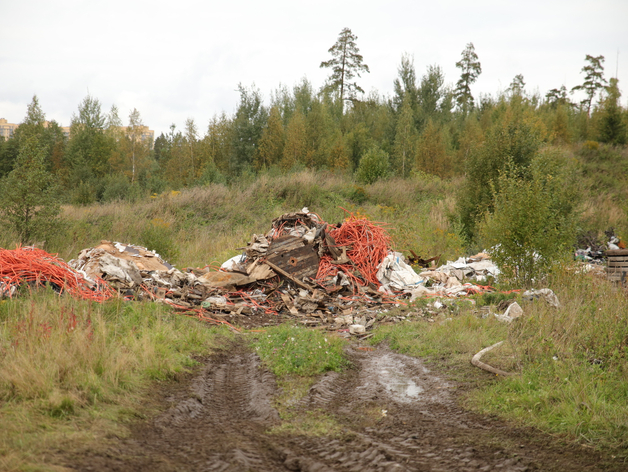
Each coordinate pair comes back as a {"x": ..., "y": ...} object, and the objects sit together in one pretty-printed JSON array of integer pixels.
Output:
[
  {"x": 287, "y": 350},
  {"x": 297, "y": 356},
  {"x": 75, "y": 369}
]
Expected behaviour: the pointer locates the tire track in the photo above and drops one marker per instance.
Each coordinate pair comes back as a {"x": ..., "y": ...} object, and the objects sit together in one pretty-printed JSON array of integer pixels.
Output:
[{"x": 395, "y": 414}]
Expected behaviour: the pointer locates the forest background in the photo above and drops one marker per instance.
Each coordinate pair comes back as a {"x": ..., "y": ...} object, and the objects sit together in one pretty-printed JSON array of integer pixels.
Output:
[{"x": 428, "y": 127}]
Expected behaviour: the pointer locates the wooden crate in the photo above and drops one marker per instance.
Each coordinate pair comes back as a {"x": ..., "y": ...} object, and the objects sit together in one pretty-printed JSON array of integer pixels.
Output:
[{"x": 617, "y": 265}]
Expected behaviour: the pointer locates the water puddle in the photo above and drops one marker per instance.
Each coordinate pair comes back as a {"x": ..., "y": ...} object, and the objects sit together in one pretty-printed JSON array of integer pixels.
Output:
[{"x": 397, "y": 383}]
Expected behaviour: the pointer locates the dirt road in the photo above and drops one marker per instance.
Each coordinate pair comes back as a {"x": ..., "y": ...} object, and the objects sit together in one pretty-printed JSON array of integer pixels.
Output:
[{"x": 395, "y": 415}]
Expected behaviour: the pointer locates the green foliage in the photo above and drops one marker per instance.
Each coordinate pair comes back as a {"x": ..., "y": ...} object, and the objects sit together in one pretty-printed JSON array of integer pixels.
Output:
[
  {"x": 288, "y": 349},
  {"x": 533, "y": 222},
  {"x": 157, "y": 236},
  {"x": 435, "y": 99},
  {"x": 211, "y": 175},
  {"x": 406, "y": 85},
  {"x": 514, "y": 139},
  {"x": 374, "y": 165},
  {"x": 29, "y": 202},
  {"x": 611, "y": 124},
  {"x": 248, "y": 125},
  {"x": 270, "y": 149},
  {"x": 346, "y": 63},
  {"x": 404, "y": 146},
  {"x": 116, "y": 187},
  {"x": 432, "y": 155},
  {"x": 89, "y": 148}
]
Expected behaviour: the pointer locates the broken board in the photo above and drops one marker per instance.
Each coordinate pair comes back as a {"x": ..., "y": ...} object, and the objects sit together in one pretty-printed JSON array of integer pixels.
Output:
[{"x": 291, "y": 254}]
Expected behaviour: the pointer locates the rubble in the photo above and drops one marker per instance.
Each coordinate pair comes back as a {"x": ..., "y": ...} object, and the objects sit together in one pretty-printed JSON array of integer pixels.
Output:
[
  {"x": 341, "y": 277},
  {"x": 545, "y": 293},
  {"x": 337, "y": 276}
]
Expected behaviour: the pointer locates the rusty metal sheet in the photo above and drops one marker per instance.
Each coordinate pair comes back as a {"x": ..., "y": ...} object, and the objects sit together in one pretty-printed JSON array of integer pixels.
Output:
[{"x": 292, "y": 255}]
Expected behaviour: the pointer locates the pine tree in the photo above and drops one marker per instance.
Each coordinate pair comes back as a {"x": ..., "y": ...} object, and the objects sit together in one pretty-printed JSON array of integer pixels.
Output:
[
  {"x": 29, "y": 194},
  {"x": 594, "y": 80},
  {"x": 346, "y": 63},
  {"x": 611, "y": 127},
  {"x": 471, "y": 69}
]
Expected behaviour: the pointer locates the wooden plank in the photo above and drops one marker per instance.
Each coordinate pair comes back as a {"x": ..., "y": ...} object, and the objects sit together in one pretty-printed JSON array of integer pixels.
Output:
[
  {"x": 617, "y": 252},
  {"x": 286, "y": 274},
  {"x": 294, "y": 257}
]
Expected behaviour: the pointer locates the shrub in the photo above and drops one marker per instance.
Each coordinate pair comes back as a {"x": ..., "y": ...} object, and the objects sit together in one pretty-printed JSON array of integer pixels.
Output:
[
  {"x": 29, "y": 202},
  {"x": 374, "y": 165},
  {"x": 511, "y": 142},
  {"x": 533, "y": 223},
  {"x": 158, "y": 237}
]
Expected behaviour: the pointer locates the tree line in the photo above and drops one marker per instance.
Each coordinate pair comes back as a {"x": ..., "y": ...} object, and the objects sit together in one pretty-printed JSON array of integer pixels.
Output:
[{"x": 426, "y": 125}]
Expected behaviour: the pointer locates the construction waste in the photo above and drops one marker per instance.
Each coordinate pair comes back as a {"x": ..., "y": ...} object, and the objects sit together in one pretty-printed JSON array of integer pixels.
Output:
[{"x": 342, "y": 277}]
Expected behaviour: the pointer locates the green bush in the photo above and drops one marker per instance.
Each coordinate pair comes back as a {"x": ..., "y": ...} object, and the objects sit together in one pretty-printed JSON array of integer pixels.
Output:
[
  {"x": 513, "y": 141},
  {"x": 374, "y": 165},
  {"x": 533, "y": 224},
  {"x": 157, "y": 236},
  {"x": 116, "y": 187}
]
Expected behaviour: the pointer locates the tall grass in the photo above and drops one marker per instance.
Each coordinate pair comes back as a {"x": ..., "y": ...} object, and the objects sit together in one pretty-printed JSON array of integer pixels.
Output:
[
  {"x": 206, "y": 225},
  {"x": 574, "y": 365},
  {"x": 77, "y": 368}
]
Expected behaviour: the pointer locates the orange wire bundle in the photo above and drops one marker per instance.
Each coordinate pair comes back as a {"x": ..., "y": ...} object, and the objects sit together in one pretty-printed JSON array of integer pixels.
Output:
[
  {"x": 369, "y": 244},
  {"x": 30, "y": 264}
]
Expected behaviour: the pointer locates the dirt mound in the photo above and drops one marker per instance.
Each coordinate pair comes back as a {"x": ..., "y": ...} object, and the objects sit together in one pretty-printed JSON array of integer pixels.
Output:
[{"x": 396, "y": 415}]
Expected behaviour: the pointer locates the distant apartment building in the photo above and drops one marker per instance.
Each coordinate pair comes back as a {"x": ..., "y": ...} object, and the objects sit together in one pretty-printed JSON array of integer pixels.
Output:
[
  {"x": 6, "y": 129},
  {"x": 148, "y": 135}
]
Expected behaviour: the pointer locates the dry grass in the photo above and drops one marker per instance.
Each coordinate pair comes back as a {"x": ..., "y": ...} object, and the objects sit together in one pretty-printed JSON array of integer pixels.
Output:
[{"x": 205, "y": 225}]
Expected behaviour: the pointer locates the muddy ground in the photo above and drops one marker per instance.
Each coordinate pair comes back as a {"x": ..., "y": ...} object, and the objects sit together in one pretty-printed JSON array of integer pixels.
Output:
[{"x": 393, "y": 415}]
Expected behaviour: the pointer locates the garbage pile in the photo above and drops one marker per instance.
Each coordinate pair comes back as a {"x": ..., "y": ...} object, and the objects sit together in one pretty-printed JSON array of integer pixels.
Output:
[
  {"x": 302, "y": 267},
  {"x": 342, "y": 276},
  {"x": 453, "y": 279}
]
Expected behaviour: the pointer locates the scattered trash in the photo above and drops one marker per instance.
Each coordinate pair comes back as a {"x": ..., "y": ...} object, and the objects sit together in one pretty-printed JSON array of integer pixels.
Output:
[
  {"x": 513, "y": 312},
  {"x": 478, "y": 363},
  {"x": 617, "y": 266},
  {"x": 338, "y": 277},
  {"x": 545, "y": 293},
  {"x": 394, "y": 272}
]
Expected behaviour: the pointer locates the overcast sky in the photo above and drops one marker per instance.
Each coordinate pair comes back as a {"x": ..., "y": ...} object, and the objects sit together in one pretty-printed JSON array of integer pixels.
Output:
[{"x": 174, "y": 60}]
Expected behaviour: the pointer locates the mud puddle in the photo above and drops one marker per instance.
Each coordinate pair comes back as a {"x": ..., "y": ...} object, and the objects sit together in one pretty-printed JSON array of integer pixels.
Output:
[{"x": 394, "y": 414}]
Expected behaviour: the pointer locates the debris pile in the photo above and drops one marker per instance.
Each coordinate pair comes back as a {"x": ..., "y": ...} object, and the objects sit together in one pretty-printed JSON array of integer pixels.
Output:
[
  {"x": 341, "y": 276},
  {"x": 453, "y": 279},
  {"x": 302, "y": 267},
  {"x": 30, "y": 265}
]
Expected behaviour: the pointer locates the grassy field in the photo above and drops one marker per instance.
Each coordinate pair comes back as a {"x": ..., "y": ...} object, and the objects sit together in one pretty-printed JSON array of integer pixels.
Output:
[
  {"x": 72, "y": 372},
  {"x": 75, "y": 372}
]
